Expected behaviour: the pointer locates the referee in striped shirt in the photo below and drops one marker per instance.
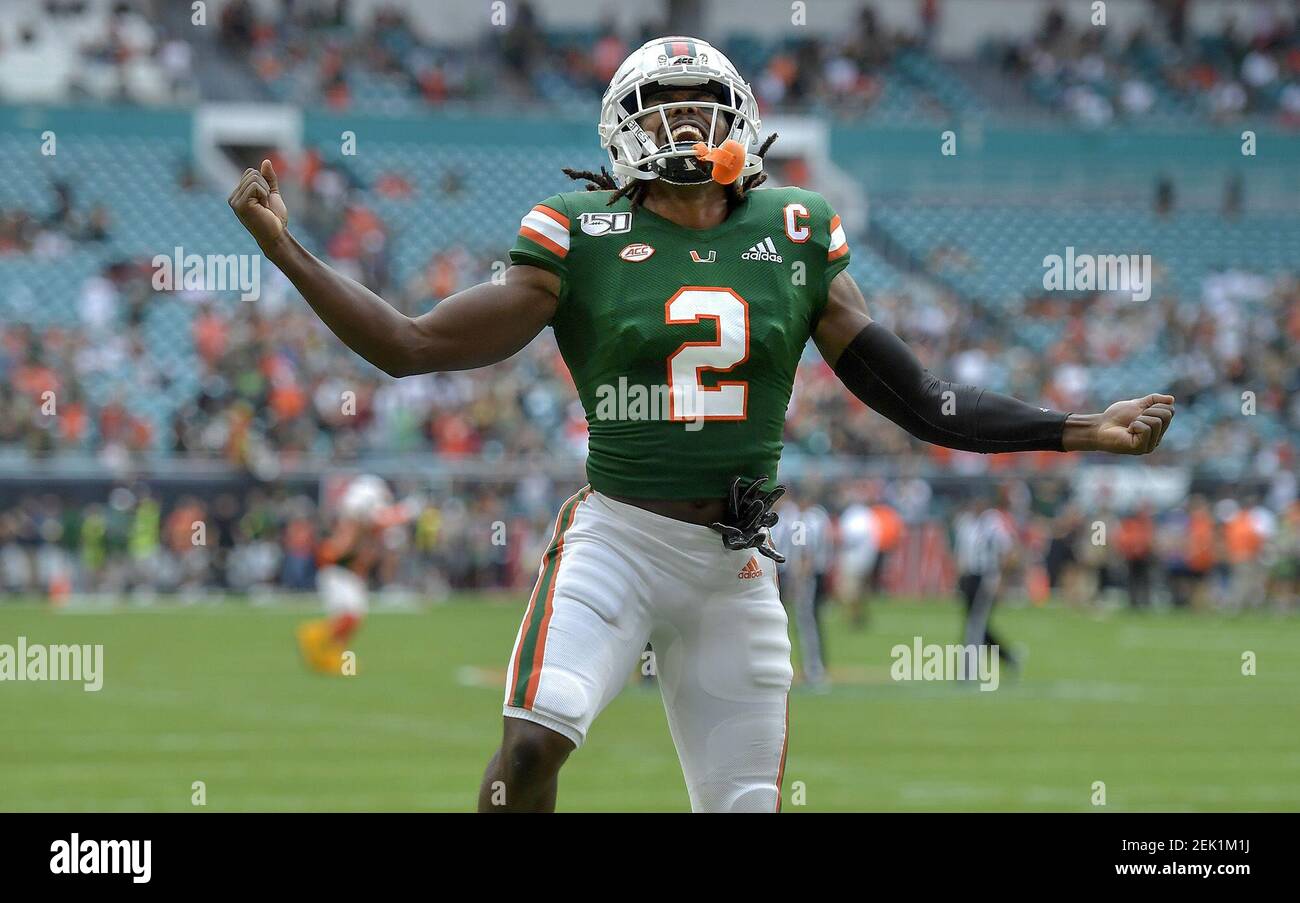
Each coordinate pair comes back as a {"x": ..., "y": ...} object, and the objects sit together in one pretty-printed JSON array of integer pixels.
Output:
[{"x": 985, "y": 541}]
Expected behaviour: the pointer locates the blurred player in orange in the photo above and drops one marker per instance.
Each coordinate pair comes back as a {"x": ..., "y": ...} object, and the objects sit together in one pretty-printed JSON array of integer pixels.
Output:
[
  {"x": 346, "y": 559},
  {"x": 1246, "y": 534},
  {"x": 1194, "y": 565},
  {"x": 1136, "y": 542},
  {"x": 889, "y": 536}
]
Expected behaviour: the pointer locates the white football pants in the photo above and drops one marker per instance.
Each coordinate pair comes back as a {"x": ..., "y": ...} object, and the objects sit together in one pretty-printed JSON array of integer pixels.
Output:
[{"x": 615, "y": 577}]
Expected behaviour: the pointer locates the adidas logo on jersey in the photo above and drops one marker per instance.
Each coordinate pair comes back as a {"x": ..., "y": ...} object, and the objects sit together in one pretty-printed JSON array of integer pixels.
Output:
[
  {"x": 764, "y": 250},
  {"x": 750, "y": 570}
]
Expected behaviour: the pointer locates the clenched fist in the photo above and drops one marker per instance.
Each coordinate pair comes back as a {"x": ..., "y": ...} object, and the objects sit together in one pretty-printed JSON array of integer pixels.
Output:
[
  {"x": 1133, "y": 427},
  {"x": 256, "y": 201}
]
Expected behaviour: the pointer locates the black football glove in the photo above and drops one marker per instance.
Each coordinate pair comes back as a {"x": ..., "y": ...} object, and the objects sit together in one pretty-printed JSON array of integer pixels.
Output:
[{"x": 749, "y": 517}]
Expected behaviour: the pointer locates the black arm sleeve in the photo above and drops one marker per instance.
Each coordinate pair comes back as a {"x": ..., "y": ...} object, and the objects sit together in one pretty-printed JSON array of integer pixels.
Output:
[{"x": 883, "y": 372}]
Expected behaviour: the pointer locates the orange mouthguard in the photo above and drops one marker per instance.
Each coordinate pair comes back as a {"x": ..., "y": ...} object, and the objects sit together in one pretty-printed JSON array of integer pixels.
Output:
[{"x": 728, "y": 160}]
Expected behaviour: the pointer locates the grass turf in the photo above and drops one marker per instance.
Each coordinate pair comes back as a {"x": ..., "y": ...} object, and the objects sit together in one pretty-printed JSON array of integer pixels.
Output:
[{"x": 1155, "y": 706}]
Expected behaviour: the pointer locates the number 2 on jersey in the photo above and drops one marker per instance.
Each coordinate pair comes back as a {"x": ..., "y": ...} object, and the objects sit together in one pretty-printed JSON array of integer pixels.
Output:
[{"x": 689, "y": 399}]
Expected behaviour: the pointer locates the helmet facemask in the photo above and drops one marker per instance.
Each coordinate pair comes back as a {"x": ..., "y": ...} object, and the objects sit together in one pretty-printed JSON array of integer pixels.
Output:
[{"x": 675, "y": 161}]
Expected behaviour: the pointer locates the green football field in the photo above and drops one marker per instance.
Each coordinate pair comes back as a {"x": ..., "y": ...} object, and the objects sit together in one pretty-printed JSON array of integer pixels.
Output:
[{"x": 1154, "y": 706}]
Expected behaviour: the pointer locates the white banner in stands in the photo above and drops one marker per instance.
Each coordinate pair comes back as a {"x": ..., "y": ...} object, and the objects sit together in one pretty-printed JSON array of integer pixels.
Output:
[{"x": 1120, "y": 488}]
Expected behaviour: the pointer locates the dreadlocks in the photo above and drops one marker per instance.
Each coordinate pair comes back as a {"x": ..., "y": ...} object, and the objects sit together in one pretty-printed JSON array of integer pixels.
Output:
[{"x": 635, "y": 189}]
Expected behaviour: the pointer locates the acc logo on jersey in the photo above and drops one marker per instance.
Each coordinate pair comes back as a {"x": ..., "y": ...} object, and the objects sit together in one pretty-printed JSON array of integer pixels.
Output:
[
  {"x": 636, "y": 252},
  {"x": 606, "y": 223}
]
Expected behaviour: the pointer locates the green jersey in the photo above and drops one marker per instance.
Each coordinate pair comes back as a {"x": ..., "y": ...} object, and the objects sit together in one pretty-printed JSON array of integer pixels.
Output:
[{"x": 683, "y": 343}]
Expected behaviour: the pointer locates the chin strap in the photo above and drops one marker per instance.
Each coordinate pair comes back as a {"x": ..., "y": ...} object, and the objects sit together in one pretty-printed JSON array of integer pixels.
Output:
[
  {"x": 750, "y": 517},
  {"x": 682, "y": 170}
]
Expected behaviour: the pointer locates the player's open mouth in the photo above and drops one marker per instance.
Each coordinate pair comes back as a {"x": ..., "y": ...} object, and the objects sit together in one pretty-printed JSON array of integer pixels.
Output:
[{"x": 687, "y": 131}]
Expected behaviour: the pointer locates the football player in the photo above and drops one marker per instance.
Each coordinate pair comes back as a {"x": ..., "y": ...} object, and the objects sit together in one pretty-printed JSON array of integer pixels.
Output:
[
  {"x": 859, "y": 545},
  {"x": 688, "y": 285},
  {"x": 346, "y": 560}
]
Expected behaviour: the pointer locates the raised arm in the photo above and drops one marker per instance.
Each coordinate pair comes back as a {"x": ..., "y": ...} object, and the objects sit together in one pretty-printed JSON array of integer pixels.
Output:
[
  {"x": 479, "y": 326},
  {"x": 877, "y": 367}
]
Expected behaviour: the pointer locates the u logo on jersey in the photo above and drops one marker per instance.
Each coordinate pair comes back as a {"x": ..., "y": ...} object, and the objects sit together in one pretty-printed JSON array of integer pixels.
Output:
[{"x": 695, "y": 255}]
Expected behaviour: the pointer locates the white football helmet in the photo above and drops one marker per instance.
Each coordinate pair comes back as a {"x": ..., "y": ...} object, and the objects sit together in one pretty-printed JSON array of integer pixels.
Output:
[
  {"x": 675, "y": 62},
  {"x": 364, "y": 497}
]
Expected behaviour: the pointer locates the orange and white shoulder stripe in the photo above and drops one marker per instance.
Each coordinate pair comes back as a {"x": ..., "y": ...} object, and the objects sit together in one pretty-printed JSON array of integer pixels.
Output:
[
  {"x": 548, "y": 228},
  {"x": 839, "y": 245}
]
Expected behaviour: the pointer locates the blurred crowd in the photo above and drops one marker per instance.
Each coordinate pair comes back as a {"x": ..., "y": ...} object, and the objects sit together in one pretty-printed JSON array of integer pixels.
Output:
[
  {"x": 113, "y": 51},
  {"x": 1249, "y": 66},
  {"x": 272, "y": 386},
  {"x": 277, "y": 384},
  {"x": 255, "y": 540},
  {"x": 1239, "y": 336},
  {"x": 1233, "y": 549},
  {"x": 49, "y": 369},
  {"x": 1205, "y": 552},
  {"x": 312, "y": 49},
  {"x": 1233, "y": 555},
  {"x": 313, "y": 53},
  {"x": 64, "y": 227}
]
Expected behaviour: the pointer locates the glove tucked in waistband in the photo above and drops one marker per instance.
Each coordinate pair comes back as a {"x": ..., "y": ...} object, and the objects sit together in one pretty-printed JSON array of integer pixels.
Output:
[{"x": 749, "y": 517}]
